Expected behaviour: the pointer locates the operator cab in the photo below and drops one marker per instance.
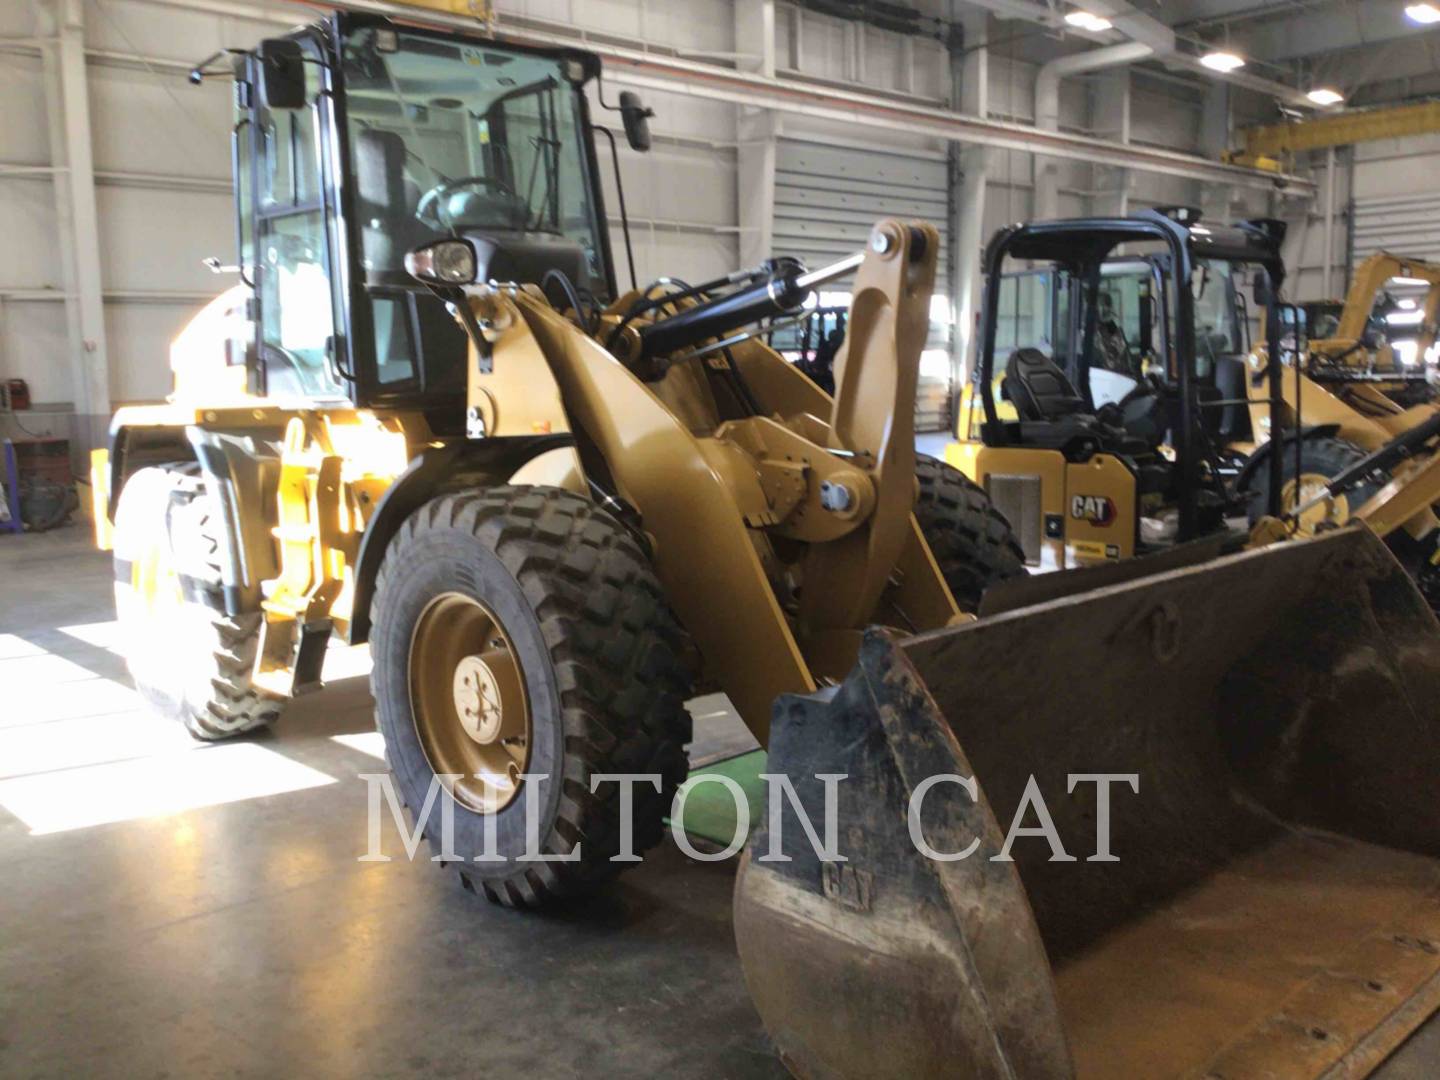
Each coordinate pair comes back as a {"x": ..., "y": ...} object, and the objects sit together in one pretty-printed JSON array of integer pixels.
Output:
[{"x": 357, "y": 140}]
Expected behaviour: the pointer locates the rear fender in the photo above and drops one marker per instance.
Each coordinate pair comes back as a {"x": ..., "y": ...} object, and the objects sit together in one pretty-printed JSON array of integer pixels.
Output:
[
  {"x": 133, "y": 447},
  {"x": 241, "y": 479}
]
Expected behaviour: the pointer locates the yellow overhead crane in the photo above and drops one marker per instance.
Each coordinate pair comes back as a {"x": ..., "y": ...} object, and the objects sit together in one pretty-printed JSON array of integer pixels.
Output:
[{"x": 1267, "y": 145}]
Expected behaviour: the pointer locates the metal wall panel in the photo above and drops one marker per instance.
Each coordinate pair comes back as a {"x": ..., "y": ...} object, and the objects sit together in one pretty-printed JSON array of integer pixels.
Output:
[
  {"x": 1403, "y": 224},
  {"x": 827, "y": 198}
]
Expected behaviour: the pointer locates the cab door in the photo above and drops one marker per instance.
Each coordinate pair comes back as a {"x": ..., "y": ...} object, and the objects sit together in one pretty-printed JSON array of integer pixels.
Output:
[{"x": 290, "y": 250}]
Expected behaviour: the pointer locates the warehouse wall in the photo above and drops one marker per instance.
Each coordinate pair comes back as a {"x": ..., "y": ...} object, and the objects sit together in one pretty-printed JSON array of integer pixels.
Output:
[
  {"x": 846, "y": 52},
  {"x": 1010, "y": 193},
  {"x": 1396, "y": 208},
  {"x": 162, "y": 172},
  {"x": 162, "y": 167}
]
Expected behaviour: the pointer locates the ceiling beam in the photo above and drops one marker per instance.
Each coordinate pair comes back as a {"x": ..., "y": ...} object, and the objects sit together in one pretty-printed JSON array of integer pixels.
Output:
[{"x": 694, "y": 78}]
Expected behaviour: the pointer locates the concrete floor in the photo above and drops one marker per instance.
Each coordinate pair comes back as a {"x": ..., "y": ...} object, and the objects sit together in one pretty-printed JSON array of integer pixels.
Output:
[{"x": 174, "y": 909}]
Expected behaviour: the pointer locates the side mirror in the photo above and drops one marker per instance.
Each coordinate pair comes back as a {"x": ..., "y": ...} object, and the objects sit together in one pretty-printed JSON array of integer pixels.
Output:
[
  {"x": 1261, "y": 289},
  {"x": 282, "y": 74},
  {"x": 637, "y": 120},
  {"x": 445, "y": 262}
]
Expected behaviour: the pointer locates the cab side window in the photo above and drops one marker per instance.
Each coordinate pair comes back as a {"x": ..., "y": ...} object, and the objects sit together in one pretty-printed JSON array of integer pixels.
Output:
[{"x": 297, "y": 322}]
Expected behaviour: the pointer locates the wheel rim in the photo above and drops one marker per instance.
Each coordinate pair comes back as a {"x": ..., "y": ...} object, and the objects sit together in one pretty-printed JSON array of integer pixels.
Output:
[
  {"x": 467, "y": 695},
  {"x": 1332, "y": 510}
]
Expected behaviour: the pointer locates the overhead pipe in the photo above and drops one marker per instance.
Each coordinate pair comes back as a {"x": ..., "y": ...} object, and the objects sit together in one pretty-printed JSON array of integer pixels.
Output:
[
  {"x": 1047, "y": 108},
  {"x": 1047, "y": 82}
]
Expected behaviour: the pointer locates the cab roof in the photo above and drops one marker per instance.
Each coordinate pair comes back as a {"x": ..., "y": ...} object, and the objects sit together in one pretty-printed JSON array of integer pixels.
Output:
[{"x": 1091, "y": 240}]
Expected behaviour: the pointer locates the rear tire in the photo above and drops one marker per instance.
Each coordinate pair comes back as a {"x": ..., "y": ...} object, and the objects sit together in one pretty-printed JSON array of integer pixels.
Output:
[
  {"x": 971, "y": 540},
  {"x": 574, "y": 605},
  {"x": 1321, "y": 458},
  {"x": 190, "y": 661}
]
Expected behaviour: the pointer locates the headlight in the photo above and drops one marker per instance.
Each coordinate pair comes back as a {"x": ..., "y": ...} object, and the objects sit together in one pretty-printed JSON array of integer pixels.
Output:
[{"x": 445, "y": 262}]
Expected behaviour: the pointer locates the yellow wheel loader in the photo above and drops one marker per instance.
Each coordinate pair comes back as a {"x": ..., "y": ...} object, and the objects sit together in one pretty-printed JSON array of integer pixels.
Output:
[
  {"x": 1350, "y": 451},
  {"x": 428, "y": 419},
  {"x": 1382, "y": 335},
  {"x": 1360, "y": 425}
]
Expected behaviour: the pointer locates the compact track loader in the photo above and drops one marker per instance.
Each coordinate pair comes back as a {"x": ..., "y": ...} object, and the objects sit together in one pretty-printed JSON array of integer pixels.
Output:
[
  {"x": 429, "y": 419},
  {"x": 1109, "y": 385},
  {"x": 1119, "y": 406}
]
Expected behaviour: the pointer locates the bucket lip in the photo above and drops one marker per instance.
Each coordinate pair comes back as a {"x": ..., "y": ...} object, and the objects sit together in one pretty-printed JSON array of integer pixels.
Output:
[{"x": 1316, "y": 548}]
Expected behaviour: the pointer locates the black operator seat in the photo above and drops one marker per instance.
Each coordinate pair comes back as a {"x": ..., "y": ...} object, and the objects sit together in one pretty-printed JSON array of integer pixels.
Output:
[
  {"x": 1039, "y": 389},
  {"x": 1054, "y": 415}
]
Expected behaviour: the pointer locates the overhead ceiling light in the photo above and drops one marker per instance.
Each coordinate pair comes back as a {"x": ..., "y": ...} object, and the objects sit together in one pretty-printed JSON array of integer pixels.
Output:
[
  {"x": 1323, "y": 95},
  {"x": 1222, "y": 61},
  {"x": 1424, "y": 14},
  {"x": 1088, "y": 20}
]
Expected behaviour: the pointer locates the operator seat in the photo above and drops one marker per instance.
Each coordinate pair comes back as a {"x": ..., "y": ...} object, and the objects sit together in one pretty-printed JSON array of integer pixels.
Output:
[
  {"x": 1054, "y": 416},
  {"x": 1039, "y": 389}
]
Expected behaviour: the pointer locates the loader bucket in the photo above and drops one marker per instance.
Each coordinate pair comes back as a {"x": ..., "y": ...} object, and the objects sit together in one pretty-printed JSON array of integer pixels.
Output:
[{"x": 1274, "y": 909}]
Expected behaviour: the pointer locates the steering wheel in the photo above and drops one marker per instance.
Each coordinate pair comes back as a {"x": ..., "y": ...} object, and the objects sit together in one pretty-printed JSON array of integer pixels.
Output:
[{"x": 426, "y": 210}]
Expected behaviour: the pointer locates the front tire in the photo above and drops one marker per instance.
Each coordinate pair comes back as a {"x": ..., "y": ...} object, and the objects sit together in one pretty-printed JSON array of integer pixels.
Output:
[
  {"x": 190, "y": 661},
  {"x": 548, "y": 604},
  {"x": 972, "y": 542},
  {"x": 1321, "y": 459}
]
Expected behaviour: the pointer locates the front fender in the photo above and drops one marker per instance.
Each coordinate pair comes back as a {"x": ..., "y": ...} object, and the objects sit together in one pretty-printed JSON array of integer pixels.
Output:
[{"x": 434, "y": 470}]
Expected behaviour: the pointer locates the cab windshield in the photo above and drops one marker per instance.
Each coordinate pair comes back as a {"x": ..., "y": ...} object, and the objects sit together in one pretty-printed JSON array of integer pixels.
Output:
[{"x": 446, "y": 136}]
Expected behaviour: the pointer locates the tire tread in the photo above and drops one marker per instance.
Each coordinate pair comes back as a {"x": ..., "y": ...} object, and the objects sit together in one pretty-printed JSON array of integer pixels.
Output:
[
  {"x": 614, "y": 645},
  {"x": 973, "y": 544}
]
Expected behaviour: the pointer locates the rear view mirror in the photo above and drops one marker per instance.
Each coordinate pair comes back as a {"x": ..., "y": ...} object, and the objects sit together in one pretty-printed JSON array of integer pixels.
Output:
[
  {"x": 282, "y": 74},
  {"x": 637, "y": 120},
  {"x": 1261, "y": 289}
]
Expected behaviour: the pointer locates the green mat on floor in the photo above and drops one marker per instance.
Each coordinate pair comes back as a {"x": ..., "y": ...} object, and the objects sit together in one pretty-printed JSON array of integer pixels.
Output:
[{"x": 709, "y": 811}]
